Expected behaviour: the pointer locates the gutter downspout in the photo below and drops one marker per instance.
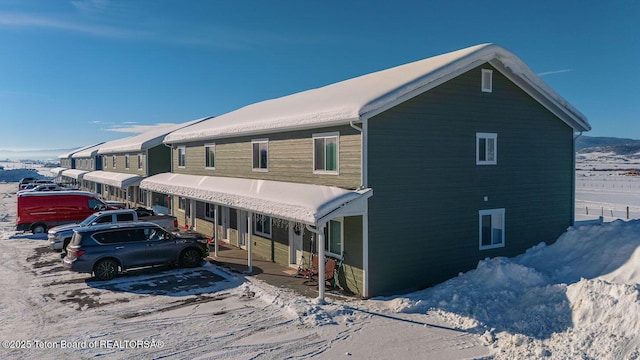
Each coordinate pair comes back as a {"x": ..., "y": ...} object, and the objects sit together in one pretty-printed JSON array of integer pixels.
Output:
[
  {"x": 364, "y": 183},
  {"x": 573, "y": 181},
  {"x": 319, "y": 231}
]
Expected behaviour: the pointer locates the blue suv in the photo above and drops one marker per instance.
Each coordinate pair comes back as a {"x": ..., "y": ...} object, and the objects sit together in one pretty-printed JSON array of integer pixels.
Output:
[{"x": 105, "y": 250}]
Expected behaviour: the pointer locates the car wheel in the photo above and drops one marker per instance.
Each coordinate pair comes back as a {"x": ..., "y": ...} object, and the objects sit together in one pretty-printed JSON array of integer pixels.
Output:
[
  {"x": 38, "y": 229},
  {"x": 190, "y": 258},
  {"x": 65, "y": 243},
  {"x": 105, "y": 269}
]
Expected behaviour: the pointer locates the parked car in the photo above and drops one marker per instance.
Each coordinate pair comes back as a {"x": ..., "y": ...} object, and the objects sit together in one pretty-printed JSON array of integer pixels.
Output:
[
  {"x": 105, "y": 250},
  {"x": 41, "y": 210},
  {"x": 24, "y": 182},
  {"x": 42, "y": 187},
  {"x": 60, "y": 236}
]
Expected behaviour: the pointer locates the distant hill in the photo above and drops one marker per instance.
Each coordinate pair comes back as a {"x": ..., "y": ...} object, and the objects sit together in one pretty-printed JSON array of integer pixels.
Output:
[
  {"x": 617, "y": 146},
  {"x": 41, "y": 155}
]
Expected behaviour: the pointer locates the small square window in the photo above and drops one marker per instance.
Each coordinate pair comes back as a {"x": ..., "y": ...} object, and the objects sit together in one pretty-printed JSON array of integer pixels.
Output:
[
  {"x": 487, "y": 80},
  {"x": 486, "y": 149},
  {"x": 260, "y": 155},
  {"x": 491, "y": 228}
]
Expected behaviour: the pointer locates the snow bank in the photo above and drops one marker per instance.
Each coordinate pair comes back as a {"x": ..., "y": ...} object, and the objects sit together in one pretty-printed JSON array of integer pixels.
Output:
[{"x": 577, "y": 298}]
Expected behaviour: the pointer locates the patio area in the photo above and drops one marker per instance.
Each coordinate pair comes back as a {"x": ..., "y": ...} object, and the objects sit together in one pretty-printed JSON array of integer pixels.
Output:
[{"x": 235, "y": 260}]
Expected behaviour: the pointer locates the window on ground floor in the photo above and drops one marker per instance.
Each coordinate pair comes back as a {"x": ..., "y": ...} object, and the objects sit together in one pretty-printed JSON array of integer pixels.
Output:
[
  {"x": 182, "y": 204},
  {"x": 333, "y": 235},
  {"x": 491, "y": 228},
  {"x": 262, "y": 225},
  {"x": 209, "y": 211}
]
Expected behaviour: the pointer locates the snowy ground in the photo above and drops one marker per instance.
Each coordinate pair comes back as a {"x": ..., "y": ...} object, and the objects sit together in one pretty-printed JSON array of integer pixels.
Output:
[{"x": 575, "y": 299}]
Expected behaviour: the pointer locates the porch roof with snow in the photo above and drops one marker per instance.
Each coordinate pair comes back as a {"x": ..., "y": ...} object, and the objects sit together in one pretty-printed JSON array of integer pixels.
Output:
[
  {"x": 73, "y": 173},
  {"x": 57, "y": 170},
  {"x": 368, "y": 95},
  {"x": 145, "y": 140},
  {"x": 119, "y": 180},
  {"x": 308, "y": 204}
]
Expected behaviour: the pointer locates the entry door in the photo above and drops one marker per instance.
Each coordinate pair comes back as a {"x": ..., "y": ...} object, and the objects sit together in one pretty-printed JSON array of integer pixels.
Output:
[
  {"x": 295, "y": 244},
  {"x": 242, "y": 229}
]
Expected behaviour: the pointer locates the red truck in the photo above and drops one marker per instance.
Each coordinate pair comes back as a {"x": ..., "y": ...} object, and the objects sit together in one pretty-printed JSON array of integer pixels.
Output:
[{"x": 38, "y": 211}]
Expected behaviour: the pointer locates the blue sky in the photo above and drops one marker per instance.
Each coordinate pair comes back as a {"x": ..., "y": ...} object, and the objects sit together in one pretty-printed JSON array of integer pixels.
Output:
[{"x": 74, "y": 73}]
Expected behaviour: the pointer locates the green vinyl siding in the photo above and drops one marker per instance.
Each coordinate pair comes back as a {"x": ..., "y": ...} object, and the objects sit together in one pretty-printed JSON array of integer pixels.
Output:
[
  {"x": 290, "y": 158},
  {"x": 428, "y": 189}
]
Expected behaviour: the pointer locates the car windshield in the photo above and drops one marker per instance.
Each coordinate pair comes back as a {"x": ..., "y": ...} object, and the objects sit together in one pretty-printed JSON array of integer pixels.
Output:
[{"x": 89, "y": 220}]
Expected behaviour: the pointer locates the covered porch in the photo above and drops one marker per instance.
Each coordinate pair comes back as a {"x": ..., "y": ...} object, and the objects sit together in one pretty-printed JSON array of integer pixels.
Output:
[{"x": 305, "y": 207}]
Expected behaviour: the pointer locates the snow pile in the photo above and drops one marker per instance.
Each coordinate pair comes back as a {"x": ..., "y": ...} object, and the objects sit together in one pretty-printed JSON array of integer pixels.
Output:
[{"x": 574, "y": 299}]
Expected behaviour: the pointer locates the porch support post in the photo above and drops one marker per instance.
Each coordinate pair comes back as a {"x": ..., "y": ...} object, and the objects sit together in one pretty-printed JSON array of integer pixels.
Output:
[
  {"x": 321, "y": 262},
  {"x": 215, "y": 230},
  {"x": 249, "y": 241}
]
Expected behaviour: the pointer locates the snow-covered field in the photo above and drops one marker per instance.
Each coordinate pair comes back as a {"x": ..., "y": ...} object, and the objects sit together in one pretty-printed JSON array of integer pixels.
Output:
[{"x": 575, "y": 299}]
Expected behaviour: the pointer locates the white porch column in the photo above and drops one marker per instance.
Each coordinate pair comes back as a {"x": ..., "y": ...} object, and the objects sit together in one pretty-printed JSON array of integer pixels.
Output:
[
  {"x": 192, "y": 214},
  {"x": 321, "y": 261},
  {"x": 215, "y": 230},
  {"x": 249, "y": 241}
]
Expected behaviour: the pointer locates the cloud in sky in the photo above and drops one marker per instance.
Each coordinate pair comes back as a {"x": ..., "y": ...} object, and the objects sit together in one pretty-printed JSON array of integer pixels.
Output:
[
  {"x": 544, "y": 73},
  {"x": 25, "y": 20}
]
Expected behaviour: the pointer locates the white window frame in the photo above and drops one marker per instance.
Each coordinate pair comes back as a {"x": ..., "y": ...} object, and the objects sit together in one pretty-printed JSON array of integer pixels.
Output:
[
  {"x": 486, "y": 161},
  {"x": 259, "y": 142},
  {"x": 127, "y": 161},
  {"x": 487, "y": 80},
  {"x": 262, "y": 218},
  {"x": 105, "y": 162},
  {"x": 209, "y": 211},
  {"x": 211, "y": 146},
  {"x": 324, "y": 136},
  {"x": 182, "y": 204},
  {"x": 327, "y": 238},
  {"x": 492, "y": 213},
  {"x": 114, "y": 162},
  {"x": 182, "y": 156},
  {"x": 139, "y": 161}
]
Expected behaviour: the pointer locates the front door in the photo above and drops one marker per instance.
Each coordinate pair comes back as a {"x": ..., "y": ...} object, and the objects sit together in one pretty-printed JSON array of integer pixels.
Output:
[{"x": 295, "y": 244}]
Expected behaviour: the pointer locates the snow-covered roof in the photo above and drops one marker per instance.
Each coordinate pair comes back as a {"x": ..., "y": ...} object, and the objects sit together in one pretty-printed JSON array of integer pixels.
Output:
[
  {"x": 87, "y": 152},
  {"x": 73, "y": 152},
  {"x": 119, "y": 180},
  {"x": 56, "y": 171},
  {"x": 305, "y": 203},
  {"x": 143, "y": 141},
  {"x": 74, "y": 173},
  {"x": 368, "y": 95}
]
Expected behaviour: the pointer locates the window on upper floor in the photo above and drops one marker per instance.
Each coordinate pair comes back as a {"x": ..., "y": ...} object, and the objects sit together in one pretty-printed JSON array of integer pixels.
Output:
[
  {"x": 127, "y": 161},
  {"x": 260, "y": 151},
  {"x": 113, "y": 161},
  {"x": 325, "y": 153},
  {"x": 104, "y": 162},
  {"x": 210, "y": 156},
  {"x": 262, "y": 225},
  {"x": 487, "y": 80},
  {"x": 182, "y": 156},
  {"x": 491, "y": 228},
  {"x": 139, "y": 161},
  {"x": 486, "y": 148}
]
